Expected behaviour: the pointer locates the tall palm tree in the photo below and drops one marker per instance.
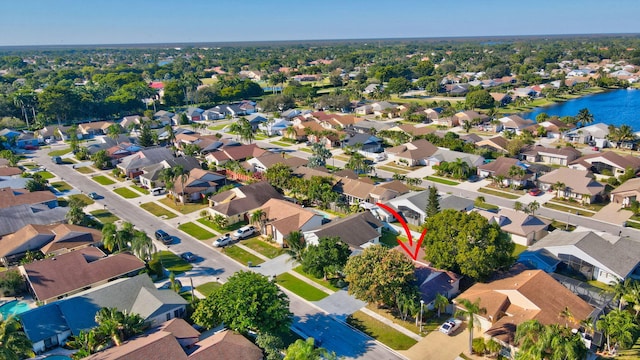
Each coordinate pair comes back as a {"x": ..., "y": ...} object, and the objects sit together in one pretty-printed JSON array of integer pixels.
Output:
[
  {"x": 235, "y": 128},
  {"x": 559, "y": 186},
  {"x": 171, "y": 135},
  {"x": 533, "y": 207},
  {"x": 296, "y": 245},
  {"x": 87, "y": 342},
  {"x": 257, "y": 218},
  {"x": 246, "y": 130},
  {"x": 440, "y": 303},
  {"x": 518, "y": 206},
  {"x": 470, "y": 311},
  {"x": 14, "y": 343},
  {"x": 113, "y": 132},
  {"x": 460, "y": 168},
  {"x": 109, "y": 232},
  {"x": 618, "y": 327},
  {"x": 290, "y": 132},
  {"x": 118, "y": 325},
  {"x": 142, "y": 245},
  {"x": 584, "y": 117}
]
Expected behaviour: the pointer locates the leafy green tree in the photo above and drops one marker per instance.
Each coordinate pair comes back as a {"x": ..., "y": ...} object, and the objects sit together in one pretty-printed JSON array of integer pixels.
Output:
[
  {"x": 146, "y": 138},
  {"x": 470, "y": 310},
  {"x": 278, "y": 175},
  {"x": 466, "y": 244},
  {"x": 101, "y": 159},
  {"x": 398, "y": 85},
  {"x": 271, "y": 345},
  {"x": 221, "y": 221},
  {"x": 12, "y": 282},
  {"x": 328, "y": 257},
  {"x": 114, "y": 131},
  {"x": 296, "y": 246},
  {"x": 14, "y": 343},
  {"x": 246, "y": 302},
  {"x": 36, "y": 183},
  {"x": 86, "y": 342},
  {"x": 479, "y": 99},
  {"x": 320, "y": 155},
  {"x": 173, "y": 94},
  {"x": 307, "y": 350},
  {"x": 75, "y": 215},
  {"x": 119, "y": 326},
  {"x": 619, "y": 328},
  {"x": 358, "y": 163},
  {"x": 379, "y": 275},
  {"x": 537, "y": 341},
  {"x": 433, "y": 201}
]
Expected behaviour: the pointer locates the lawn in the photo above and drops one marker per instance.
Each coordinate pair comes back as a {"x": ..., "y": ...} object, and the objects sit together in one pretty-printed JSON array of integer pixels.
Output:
[
  {"x": 280, "y": 143},
  {"x": 498, "y": 193},
  {"x": 484, "y": 205},
  {"x": 158, "y": 210},
  {"x": 441, "y": 180},
  {"x": 196, "y": 231},
  {"x": 241, "y": 255},
  {"x": 207, "y": 288},
  {"x": 263, "y": 248},
  {"x": 61, "y": 186},
  {"x": 59, "y": 152},
  {"x": 392, "y": 169},
  {"x": 172, "y": 262},
  {"x": 629, "y": 354},
  {"x": 517, "y": 250},
  {"x": 126, "y": 193},
  {"x": 220, "y": 230},
  {"x": 140, "y": 189},
  {"x": 389, "y": 238},
  {"x": 305, "y": 150},
  {"x": 380, "y": 331},
  {"x": 183, "y": 208},
  {"x": 104, "y": 216},
  {"x": 84, "y": 199},
  {"x": 566, "y": 209},
  {"x": 300, "y": 288},
  {"x": 322, "y": 282},
  {"x": 85, "y": 170},
  {"x": 217, "y": 127},
  {"x": 45, "y": 175},
  {"x": 103, "y": 180}
]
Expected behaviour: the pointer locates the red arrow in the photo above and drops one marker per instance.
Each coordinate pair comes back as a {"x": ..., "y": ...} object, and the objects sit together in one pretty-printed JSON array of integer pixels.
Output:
[{"x": 408, "y": 249}]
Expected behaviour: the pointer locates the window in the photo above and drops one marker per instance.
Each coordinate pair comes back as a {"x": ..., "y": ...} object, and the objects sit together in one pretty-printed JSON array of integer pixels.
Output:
[{"x": 168, "y": 316}]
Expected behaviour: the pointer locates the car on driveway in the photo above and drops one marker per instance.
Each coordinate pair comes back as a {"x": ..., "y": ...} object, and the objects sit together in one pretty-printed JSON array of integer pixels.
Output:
[
  {"x": 223, "y": 241},
  {"x": 95, "y": 196},
  {"x": 535, "y": 192},
  {"x": 244, "y": 232},
  {"x": 189, "y": 256},
  {"x": 449, "y": 326},
  {"x": 167, "y": 285}
]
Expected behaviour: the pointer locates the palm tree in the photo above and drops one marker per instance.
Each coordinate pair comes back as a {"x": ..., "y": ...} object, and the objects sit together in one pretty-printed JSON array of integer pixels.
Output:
[
  {"x": 257, "y": 218},
  {"x": 567, "y": 315},
  {"x": 87, "y": 342},
  {"x": 246, "y": 130},
  {"x": 518, "y": 206},
  {"x": 109, "y": 232},
  {"x": 559, "y": 186},
  {"x": 142, "y": 246},
  {"x": 440, "y": 303},
  {"x": 235, "y": 128},
  {"x": 358, "y": 163},
  {"x": 296, "y": 245},
  {"x": 118, "y": 325},
  {"x": 14, "y": 343},
  {"x": 584, "y": 117},
  {"x": 533, "y": 207},
  {"x": 171, "y": 135},
  {"x": 113, "y": 132},
  {"x": 459, "y": 168},
  {"x": 290, "y": 132},
  {"x": 620, "y": 289},
  {"x": 619, "y": 328},
  {"x": 470, "y": 311}
]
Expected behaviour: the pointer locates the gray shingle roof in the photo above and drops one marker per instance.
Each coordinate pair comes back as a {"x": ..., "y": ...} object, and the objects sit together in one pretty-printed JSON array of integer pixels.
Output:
[{"x": 16, "y": 217}]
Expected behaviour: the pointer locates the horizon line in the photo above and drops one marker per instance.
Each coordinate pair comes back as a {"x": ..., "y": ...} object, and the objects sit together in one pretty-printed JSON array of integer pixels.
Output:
[{"x": 303, "y": 41}]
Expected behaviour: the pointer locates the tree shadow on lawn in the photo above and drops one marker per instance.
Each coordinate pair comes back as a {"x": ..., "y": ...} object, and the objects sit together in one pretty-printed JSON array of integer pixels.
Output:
[{"x": 333, "y": 335}]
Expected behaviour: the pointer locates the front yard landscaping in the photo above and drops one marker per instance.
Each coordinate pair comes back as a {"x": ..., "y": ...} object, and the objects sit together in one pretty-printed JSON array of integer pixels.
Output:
[
  {"x": 394, "y": 170},
  {"x": 172, "y": 262},
  {"x": 85, "y": 170},
  {"x": 61, "y": 186},
  {"x": 441, "y": 180},
  {"x": 187, "y": 208},
  {"x": 59, "y": 152},
  {"x": 241, "y": 255},
  {"x": 103, "y": 180},
  {"x": 322, "y": 282},
  {"x": 556, "y": 206},
  {"x": 280, "y": 143},
  {"x": 498, "y": 193},
  {"x": 84, "y": 199},
  {"x": 207, "y": 288},
  {"x": 205, "y": 221},
  {"x": 196, "y": 231},
  {"x": 380, "y": 331},
  {"x": 263, "y": 247},
  {"x": 140, "y": 189},
  {"x": 300, "y": 288},
  {"x": 306, "y": 150},
  {"x": 45, "y": 175},
  {"x": 484, "y": 205},
  {"x": 104, "y": 216},
  {"x": 126, "y": 193},
  {"x": 158, "y": 210}
]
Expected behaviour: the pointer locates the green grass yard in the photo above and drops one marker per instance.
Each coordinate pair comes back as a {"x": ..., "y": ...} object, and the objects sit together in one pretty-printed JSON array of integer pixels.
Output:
[
  {"x": 380, "y": 331},
  {"x": 85, "y": 170},
  {"x": 220, "y": 230},
  {"x": 207, "y": 288},
  {"x": 140, "y": 189},
  {"x": 263, "y": 247},
  {"x": 126, "y": 193},
  {"x": 555, "y": 206},
  {"x": 59, "y": 152},
  {"x": 322, "y": 282},
  {"x": 61, "y": 186},
  {"x": 241, "y": 255},
  {"x": 103, "y": 180},
  {"x": 281, "y": 143},
  {"x": 300, "y": 288},
  {"x": 196, "y": 231},
  {"x": 45, "y": 175},
  {"x": 104, "y": 216},
  {"x": 158, "y": 210},
  {"x": 84, "y": 199},
  {"x": 172, "y": 262},
  {"x": 501, "y": 194},
  {"x": 187, "y": 208}
]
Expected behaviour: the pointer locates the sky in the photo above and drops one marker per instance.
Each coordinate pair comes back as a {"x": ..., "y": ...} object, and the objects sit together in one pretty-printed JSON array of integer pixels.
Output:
[{"x": 86, "y": 22}]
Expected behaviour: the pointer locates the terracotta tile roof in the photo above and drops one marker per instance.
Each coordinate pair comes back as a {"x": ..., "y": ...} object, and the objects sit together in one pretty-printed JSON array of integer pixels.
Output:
[
  {"x": 60, "y": 275},
  {"x": 517, "y": 297},
  {"x": 14, "y": 197}
]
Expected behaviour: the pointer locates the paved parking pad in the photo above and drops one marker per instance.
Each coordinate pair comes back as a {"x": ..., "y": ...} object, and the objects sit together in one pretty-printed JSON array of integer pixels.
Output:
[{"x": 340, "y": 304}]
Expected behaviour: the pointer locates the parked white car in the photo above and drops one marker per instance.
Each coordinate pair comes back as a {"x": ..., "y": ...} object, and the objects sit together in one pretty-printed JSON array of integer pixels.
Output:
[
  {"x": 450, "y": 326},
  {"x": 223, "y": 241},
  {"x": 244, "y": 232}
]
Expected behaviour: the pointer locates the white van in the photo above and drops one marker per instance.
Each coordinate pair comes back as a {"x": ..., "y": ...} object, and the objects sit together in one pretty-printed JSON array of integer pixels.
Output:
[{"x": 157, "y": 191}]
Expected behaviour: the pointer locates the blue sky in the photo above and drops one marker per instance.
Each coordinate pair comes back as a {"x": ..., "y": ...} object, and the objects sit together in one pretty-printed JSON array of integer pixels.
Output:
[{"x": 69, "y": 22}]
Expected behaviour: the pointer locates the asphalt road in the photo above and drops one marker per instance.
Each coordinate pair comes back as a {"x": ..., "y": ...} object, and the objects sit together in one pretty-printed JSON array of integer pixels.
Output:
[{"x": 335, "y": 336}]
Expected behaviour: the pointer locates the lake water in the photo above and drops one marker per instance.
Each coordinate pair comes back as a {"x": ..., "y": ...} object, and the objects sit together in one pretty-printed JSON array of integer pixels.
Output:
[{"x": 615, "y": 107}]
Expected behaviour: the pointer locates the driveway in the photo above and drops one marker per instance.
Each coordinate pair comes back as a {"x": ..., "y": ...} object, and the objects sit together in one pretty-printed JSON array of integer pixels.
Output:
[
  {"x": 438, "y": 346},
  {"x": 612, "y": 213},
  {"x": 340, "y": 304}
]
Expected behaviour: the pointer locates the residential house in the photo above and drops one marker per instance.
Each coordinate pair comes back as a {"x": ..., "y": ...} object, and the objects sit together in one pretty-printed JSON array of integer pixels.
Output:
[
  {"x": 371, "y": 88},
  {"x": 371, "y": 127},
  {"x": 51, "y": 133},
  {"x": 49, "y": 239},
  {"x": 275, "y": 127},
  {"x": 256, "y": 120},
  {"x": 502, "y": 166},
  {"x": 263, "y": 162},
  {"x": 496, "y": 143},
  {"x": 433, "y": 113},
  {"x": 197, "y": 185},
  {"x": 363, "y": 142},
  {"x": 281, "y": 217},
  {"x": 359, "y": 231},
  {"x": 501, "y": 99},
  {"x": 553, "y": 156},
  {"x": 240, "y": 152},
  {"x": 67, "y": 274},
  {"x": 164, "y": 117},
  {"x": 458, "y": 89},
  {"x": 412, "y": 154},
  {"x": 470, "y": 116},
  {"x": 51, "y": 324},
  {"x": 377, "y": 108},
  {"x": 22, "y": 138},
  {"x": 607, "y": 163},
  {"x": 177, "y": 340},
  {"x": 15, "y": 197},
  {"x": 626, "y": 193},
  {"x": 133, "y": 121},
  {"x": 133, "y": 165},
  {"x": 516, "y": 297},
  {"x": 514, "y": 123},
  {"x": 595, "y": 133},
  {"x": 578, "y": 184},
  {"x": 194, "y": 114},
  {"x": 448, "y": 121},
  {"x": 553, "y": 127},
  {"x": 524, "y": 229},
  {"x": 237, "y": 204},
  {"x": 596, "y": 255},
  {"x": 432, "y": 281},
  {"x": 16, "y": 217},
  {"x": 471, "y": 138},
  {"x": 412, "y": 205},
  {"x": 358, "y": 191},
  {"x": 11, "y": 177},
  {"x": 451, "y": 156},
  {"x": 412, "y": 130},
  {"x": 524, "y": 92},
  {"x": 90, "y": 129}
]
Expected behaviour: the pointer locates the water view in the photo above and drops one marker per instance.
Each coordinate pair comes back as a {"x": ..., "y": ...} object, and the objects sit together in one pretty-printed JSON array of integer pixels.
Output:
[{"x": 615, "y": 107}]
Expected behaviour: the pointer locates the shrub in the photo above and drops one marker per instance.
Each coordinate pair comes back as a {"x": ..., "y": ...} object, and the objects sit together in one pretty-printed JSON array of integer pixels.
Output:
[{"x": 479, "y": 347}]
